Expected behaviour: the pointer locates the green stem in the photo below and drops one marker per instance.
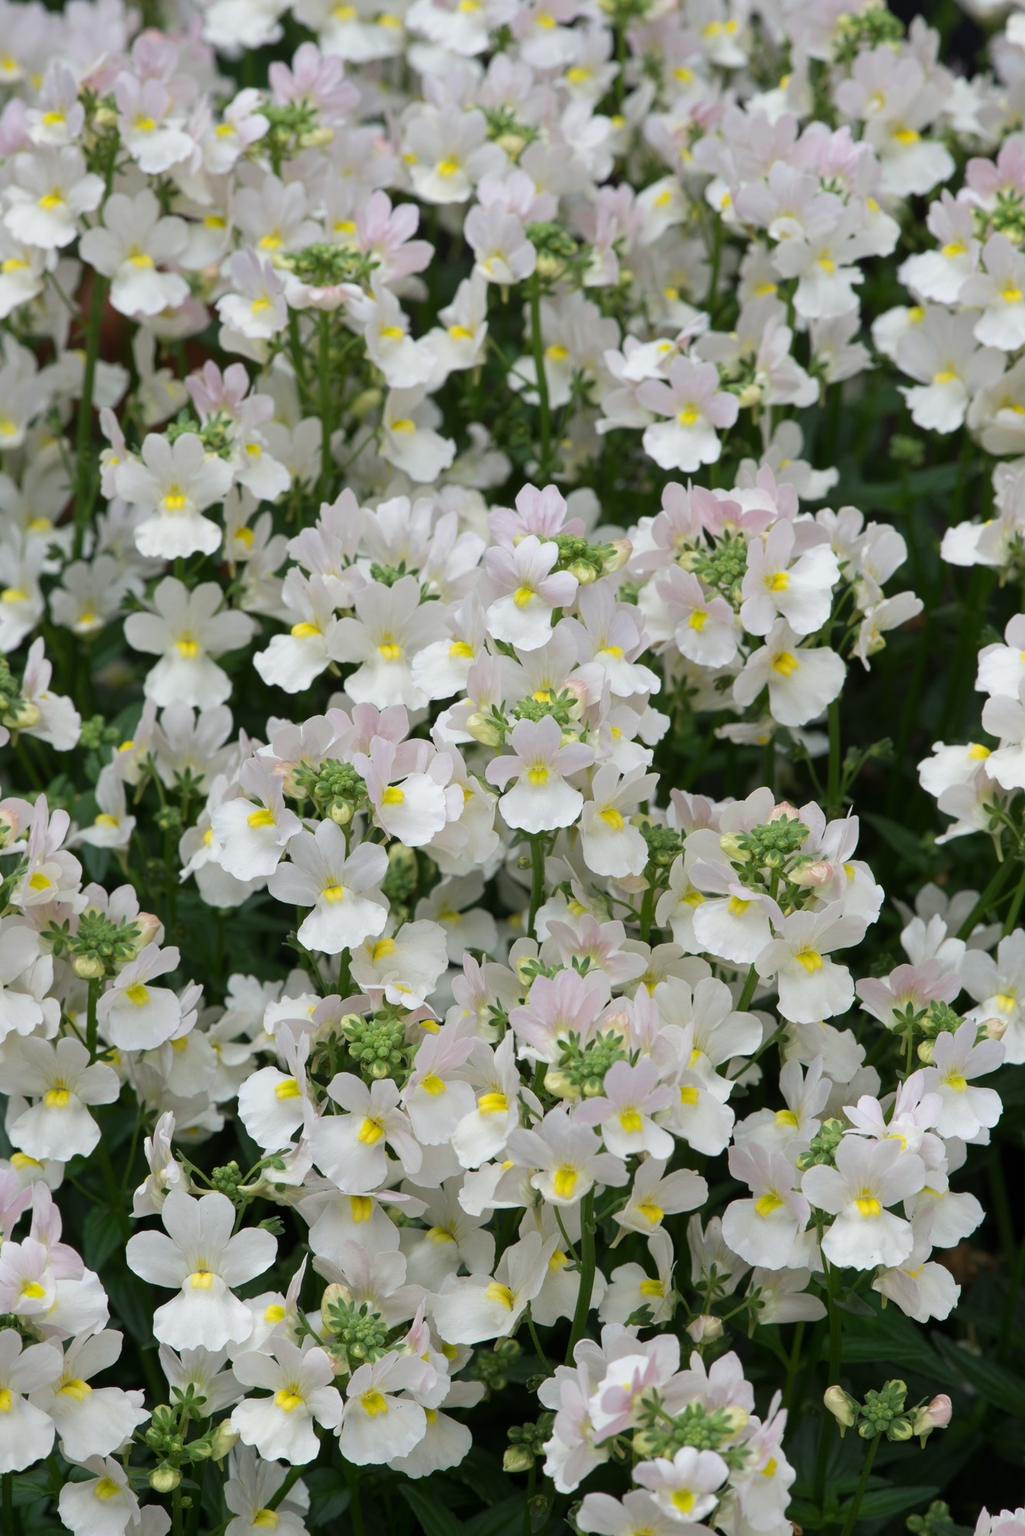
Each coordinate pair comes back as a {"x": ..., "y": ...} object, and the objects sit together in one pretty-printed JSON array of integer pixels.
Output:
[
  {"x": 529, "y": 1501},
  {"x": 85, "y": 484},
  {"x": 647, "y": 912},
  {"x": 825, "y": 1419},
  {"x": 293, "y": 1477},
  {"x": 326, "y": 403},
  {"x": 859, "y": 1492},
  {"x": 537, "y": 879},
  {"x": 91, "y": 1026},
  {"x": 988, "y": 897},
  {"x": 538, "y": 1346},
  {"x": 835, "y": 1340},
  {"x": 11, "y": 1522},
  {"x": 769, "y": 764},
  {"x": 355, "y": 1507},
  {"x": 1015, "y": 907},
  {"x": 538, "y": 349},
  {"x": 176, "y": 1512},
  {"x": 583, "y": 1305},
  {"x": 793, "y": 1364},
  {"x": 749, "y": 990},
  {"x": 834, "y": 798}
]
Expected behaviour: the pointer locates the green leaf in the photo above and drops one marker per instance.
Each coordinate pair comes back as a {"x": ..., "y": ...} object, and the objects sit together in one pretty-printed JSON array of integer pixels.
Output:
[
  {"x": 899, "y": 839},
  {"x": 101, "y": 1236},
  {"x": 434, "y": 1518},
  {"x": 891, "y": 1337},
  {"x": 1002, "y": 1389},
  {"x": 329, "y": 1496},
  {"x": 505, "y": 1519},
  {"x": 483, "y": 1474},
  {"x": 880, "y": 1503}
]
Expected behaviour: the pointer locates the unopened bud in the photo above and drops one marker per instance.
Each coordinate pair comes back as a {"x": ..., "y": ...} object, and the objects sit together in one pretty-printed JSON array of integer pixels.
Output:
[
  {"x": 365, "y": 402},
  {"x": 334, "y": 1295},
  {"x": 23, "y": 716},
  {"x": 316, "y": 138},
  {"x": 223, "y": 1440},
  {"x": 165, "y": 1479},
  {"x": 88, "y": 967},
  {"x": 842, "y": 1406},
  {"x": 784, "y": 811},
  {"x": 8, "y": 827},
  {"x": 340, "y": 812},
  {"x": 644, "y": 1443},
  {"x": 621, "y": 550},
  {"x": 584, "y": 572},
  {"x": 580, "y": 695},
  {"x": 934, "y": 1415},
  {"x": 899, "y": 1430},
  {"x": 994, "y": 1028},
  {"x": 811, "y": 875},
  {"x": 151, "y": 930},
  {"x": 513, "y": 144},
  {"x": 731, "y": 848},
  {"x": 517, "y": 1458},
  {"x": 104, "y": 117},
  {"x": 737, "y": 1418},
  {"x": 705, "y": 1328},
  {"x": 483, "y": 730},
  {"x": 750, "y": 396},
  {"x": 926, "y": 1051},
  {"x": 560, "y": 1085}
]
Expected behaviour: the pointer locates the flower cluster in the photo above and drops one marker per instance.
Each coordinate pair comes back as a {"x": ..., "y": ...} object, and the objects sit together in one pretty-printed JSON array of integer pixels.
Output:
[{"x": 438, "y": 978}]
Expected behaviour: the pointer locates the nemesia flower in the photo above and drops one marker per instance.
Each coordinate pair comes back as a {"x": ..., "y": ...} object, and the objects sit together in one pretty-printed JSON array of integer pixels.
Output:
[{"x": 200, "y": 1255}]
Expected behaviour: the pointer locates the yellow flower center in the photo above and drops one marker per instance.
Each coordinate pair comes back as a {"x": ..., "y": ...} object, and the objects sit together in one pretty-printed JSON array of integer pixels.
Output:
[
  {"x": 493, "y": 1104},
  {"x": 370, "y": 1132},
  {"x": 868, "y": 1206},
  {"x": 260, "y": 818},
  {"x": 201, "y": 1279},
  {"x": 766, "y": 1204},
  {"x": 496, "y": 1291},
  {"x": 564, "y": 1182}
]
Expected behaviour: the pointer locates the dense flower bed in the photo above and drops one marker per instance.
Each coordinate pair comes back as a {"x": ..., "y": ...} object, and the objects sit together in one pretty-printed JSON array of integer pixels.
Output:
[{"x": 461, "y": 1072}]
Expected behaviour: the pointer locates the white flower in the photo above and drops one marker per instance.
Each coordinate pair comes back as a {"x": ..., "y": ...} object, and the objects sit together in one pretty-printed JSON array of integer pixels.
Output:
[
  {"x": 201, "y": 1256},
  {"x": 174, "y": 482},
  {"x": 697, "y": 413},
  {"x": 530, "y": 590},
  {"x": 252, "y": 1483},
  {"x": 943, "y": 355},
  {"x": 342, "y": 889},
  {"x": 811, "y": 986},
  {"x": 686, "y": 1486},
  {"x": 611, "y": 845},
  {"x": 350, "y": 1148},
  {"x": 378, "y": 1424},
  {"x": 26, "y": 1432},
  {"x": 51, "y": 190},
  {"x": 301, "y": 1383},
  {"x": 801, "y": 680},
  {"x": 408, "y": 438},
  {"x": 137, "y": 1017},
  {"x": 252, "y": 837},
  {"x": 129, "y": 246},
  {"x": 187, "y": 631},
  {"x": 102, "y": 1505},
  {"x": 59, "y": 1078},
  {"x": 541, "y": 799},
  {"x": 91, "y": 1421},
  {"x": 764, "y": 1229},
  {"x": 956, "y": 1060},
  {"x": 800, "y": 593},
  {"x": 391, "y": 625},
  {"x": 471, "y": 1308},
  {"x": 868, "y": 1177}
]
